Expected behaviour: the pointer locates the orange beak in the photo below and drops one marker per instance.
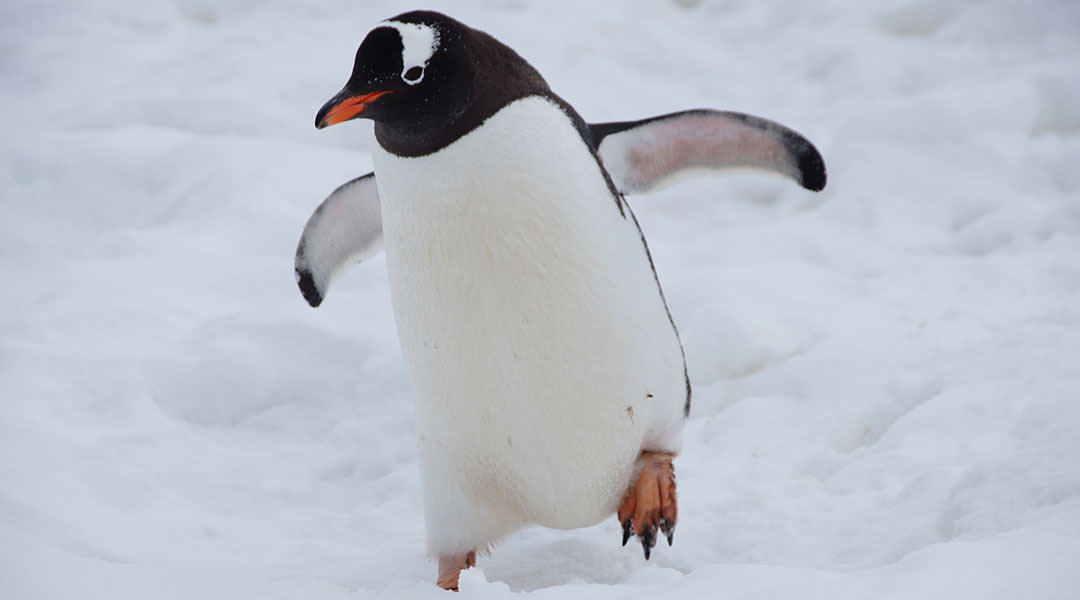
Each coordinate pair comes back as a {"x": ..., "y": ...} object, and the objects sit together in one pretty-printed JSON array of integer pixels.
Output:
[{"x": 342, "y": 108}]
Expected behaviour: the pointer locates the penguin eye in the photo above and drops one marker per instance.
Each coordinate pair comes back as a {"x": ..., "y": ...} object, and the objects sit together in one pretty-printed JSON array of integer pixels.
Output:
[{"x": 413, "y": 75}]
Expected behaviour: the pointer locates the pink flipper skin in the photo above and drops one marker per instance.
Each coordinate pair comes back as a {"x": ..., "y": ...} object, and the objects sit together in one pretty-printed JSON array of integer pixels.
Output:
[{"x": 642, "y": 155}]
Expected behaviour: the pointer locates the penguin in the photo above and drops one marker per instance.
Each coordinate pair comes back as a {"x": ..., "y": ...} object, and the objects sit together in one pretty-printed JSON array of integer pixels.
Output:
[{"x": 550, "y": 383}]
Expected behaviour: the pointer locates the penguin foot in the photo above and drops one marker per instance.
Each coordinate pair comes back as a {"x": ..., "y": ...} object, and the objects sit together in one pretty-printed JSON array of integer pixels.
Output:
[
  {"x": 650, "y": 504},
  {"x": 451, "y": 566}
]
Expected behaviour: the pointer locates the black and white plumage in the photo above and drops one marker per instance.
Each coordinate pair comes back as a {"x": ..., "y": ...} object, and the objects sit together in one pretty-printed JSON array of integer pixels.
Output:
[{"x": 544, "y": 360}]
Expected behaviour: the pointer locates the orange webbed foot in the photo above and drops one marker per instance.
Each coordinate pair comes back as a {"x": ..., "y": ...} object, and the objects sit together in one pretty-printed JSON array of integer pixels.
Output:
[
  {"x": 451, "y": 566},
  {"x": 650, "y": 504}
]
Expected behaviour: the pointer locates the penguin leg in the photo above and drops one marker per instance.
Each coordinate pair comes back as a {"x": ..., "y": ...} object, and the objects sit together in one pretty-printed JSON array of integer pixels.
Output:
[
  {"x": 650, "y": 504},
  {"x": 451, "y": 566}
]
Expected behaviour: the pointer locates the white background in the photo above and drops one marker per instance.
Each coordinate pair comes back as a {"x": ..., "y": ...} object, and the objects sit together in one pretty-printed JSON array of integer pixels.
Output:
[{"x": 887, "y": 373}]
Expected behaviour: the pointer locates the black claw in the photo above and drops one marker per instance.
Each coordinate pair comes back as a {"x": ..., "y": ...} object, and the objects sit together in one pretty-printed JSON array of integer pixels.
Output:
[
  {"x": 668, "y": 528},
  {"x": 627, "y": 528},
  {"x": 648, "y": 540}
]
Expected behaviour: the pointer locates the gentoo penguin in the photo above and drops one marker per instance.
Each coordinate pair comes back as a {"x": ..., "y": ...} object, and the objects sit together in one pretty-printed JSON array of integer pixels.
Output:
[{"x": 550, "y": 382}]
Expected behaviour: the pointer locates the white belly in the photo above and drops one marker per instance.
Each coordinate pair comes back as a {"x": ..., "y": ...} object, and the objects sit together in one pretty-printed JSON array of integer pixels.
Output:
[{"x": 541, "y": 353}]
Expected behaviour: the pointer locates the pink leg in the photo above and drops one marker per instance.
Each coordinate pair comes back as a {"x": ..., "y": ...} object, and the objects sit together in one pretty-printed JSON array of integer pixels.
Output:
[{"x": 451, "y": 566}]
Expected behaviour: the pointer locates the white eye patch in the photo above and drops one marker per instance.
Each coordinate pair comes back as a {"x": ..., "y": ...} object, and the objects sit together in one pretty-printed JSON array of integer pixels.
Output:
[{"x": 418, "y": 45}]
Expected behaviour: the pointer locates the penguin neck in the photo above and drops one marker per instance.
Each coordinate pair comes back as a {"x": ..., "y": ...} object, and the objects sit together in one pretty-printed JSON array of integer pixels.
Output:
[{"x": 495, "y": 77}]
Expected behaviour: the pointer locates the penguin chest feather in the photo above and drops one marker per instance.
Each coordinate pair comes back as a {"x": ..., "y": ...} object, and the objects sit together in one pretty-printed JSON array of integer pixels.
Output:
[{"x": 540, "y": 349}]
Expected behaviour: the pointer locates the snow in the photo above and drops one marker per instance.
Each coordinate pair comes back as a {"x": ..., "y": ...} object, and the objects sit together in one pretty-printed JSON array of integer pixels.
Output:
[{"x": 886, "y": 373}]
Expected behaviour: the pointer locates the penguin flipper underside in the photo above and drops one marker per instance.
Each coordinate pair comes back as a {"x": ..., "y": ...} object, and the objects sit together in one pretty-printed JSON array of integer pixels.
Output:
[
  {"x": 643, "y": 155},
  {"x": 346, "y": 228}
]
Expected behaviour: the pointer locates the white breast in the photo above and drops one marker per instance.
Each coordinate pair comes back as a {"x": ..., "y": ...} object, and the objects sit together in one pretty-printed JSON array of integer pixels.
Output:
[{"x": 541, "y": 353}]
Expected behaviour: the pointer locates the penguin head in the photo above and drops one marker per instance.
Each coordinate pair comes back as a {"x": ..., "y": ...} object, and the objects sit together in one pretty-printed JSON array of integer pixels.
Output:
[
  {"x": 426, "y": 80},
  {"x": 409, "y": 73}
]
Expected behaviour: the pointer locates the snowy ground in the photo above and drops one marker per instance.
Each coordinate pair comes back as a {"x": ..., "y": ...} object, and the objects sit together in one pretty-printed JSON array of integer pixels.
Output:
[{"x": 887, "y": 373}]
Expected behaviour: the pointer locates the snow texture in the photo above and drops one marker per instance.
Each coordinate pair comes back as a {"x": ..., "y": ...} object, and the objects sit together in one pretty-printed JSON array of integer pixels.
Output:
[{"x": 887, "y": 373}]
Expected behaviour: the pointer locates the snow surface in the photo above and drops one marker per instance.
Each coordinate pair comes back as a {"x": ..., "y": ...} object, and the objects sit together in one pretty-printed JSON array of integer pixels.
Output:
[{"x": 887, "y": 373}]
